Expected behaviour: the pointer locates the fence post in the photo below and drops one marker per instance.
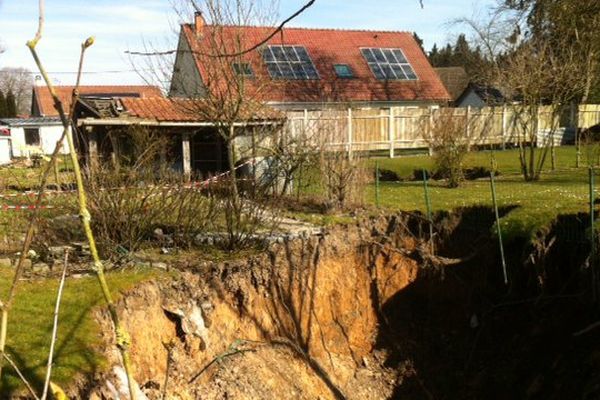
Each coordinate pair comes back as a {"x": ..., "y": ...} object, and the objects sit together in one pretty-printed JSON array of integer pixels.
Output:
[
  {"x": 377, "y": 183},
  {"x": 593, "y": 233},
  {"x": 349, "y": 139},
  {"x": 428, "y": 206},
  {"x": 391, "y": 131},
  {"x": 186, "y": 155},
  {"x": 504, "y": 122},
  {"x": 468, "y": 126},
  {"x": 498, "y": 227},
  {"x": 429, "y": 130}
]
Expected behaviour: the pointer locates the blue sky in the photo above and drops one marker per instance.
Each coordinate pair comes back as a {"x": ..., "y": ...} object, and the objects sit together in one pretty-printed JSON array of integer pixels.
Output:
[{"x": 126, "y": 24}]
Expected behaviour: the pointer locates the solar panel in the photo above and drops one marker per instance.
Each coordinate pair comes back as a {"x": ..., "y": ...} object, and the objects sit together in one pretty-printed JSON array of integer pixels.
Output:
[
  {"x": 389, "y": 64},
  {"x": 289, "y": 62}
]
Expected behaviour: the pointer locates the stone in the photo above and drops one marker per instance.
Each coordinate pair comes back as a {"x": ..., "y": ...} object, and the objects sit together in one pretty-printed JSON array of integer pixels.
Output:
[
  {"x": 27, "y": 263},
  {"x": 5, "y": 263},
  {"x": 58, "y": 252},
  {"x": 41, "y": 268},
  {"x": 160, "y": 265},
  {"x": 32, "y": 254}
]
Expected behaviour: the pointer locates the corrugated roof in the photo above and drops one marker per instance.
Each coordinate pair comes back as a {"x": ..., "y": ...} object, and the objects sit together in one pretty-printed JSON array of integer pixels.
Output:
[
  {"x": 327, "y": 47},
  {"x": 46, "y": 104},
  {"x": 35, "y": 121}
]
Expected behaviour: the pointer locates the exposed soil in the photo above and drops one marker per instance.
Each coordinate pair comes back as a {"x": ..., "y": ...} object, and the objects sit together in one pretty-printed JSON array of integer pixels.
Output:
[{"x": 366, "y": 312}]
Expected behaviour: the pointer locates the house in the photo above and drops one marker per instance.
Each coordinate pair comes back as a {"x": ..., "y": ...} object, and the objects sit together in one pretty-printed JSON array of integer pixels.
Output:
[
  {"x": 455, "y": 79},
  {"x": 34, "y": 135},
  {"x": 194, "y": 146},
  {"x": 39, "y": 133},
  {"x": 465, "y": 93},
  {"x": 5, "y": 145},
  {"x": 480, "y": 96},
  {"x": 311, "y": 68}
]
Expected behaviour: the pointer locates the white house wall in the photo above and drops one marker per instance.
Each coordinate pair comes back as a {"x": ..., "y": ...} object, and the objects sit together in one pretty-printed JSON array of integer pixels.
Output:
[
  {"x": 4, "y": 150},
  {"x": 49, "y": 135}
]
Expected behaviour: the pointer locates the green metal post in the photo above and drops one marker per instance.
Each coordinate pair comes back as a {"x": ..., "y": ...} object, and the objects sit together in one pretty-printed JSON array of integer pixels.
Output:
[
  {"x": 498, "y": 227},
  {"x": 428, "y": 205},
  {"x": 377, "y": 184},
  {"x": 592, "y": 233}
]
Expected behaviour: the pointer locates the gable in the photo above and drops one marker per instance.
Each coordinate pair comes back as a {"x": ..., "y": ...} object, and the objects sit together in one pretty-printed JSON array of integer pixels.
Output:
[{"x": 326, "y": 49}]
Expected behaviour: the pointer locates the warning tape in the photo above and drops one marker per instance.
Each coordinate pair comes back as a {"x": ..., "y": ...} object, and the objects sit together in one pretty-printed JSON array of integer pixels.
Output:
[
  {"x": 24, "y": 207},
  {"x": 191, "y": 185}
]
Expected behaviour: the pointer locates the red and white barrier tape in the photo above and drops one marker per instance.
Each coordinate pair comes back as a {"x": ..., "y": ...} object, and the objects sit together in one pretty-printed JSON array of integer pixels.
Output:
[
  {"x": 190, "y": 185},
  {"x": 24, "y": 207}
]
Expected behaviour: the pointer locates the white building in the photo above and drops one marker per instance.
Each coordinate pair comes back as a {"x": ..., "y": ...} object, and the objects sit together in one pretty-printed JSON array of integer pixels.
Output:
[{"x": 29, "y": 136}]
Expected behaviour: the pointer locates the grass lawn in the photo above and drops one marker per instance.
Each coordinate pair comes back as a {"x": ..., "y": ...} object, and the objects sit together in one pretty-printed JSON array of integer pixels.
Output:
[
  {"x": 563, "y": 191},
  {"x": 30, "y": 327}
]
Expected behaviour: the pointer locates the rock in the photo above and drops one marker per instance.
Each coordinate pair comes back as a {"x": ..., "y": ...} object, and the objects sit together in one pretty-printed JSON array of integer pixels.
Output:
[
  {"x": 27, "y": 263},
  {"x": 58, "y": 252},
  {"x": 32, "y": 254},
  {"x": 5, "y": 263},
  {"x": 41, "y": 268},
  {"x": 160, "y": 265}
]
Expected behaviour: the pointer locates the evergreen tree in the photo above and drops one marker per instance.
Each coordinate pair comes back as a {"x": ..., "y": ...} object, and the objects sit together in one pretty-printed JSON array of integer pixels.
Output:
[
  {"x": 2, "y": 105},
  {"x": 419, "y": 41},
  {"x": 434, "y": 55},
  {"x": 11, "y": 105}
]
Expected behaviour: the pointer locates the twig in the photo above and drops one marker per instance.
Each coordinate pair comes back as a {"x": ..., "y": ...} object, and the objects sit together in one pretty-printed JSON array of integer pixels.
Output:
[
  {"x": 588, "y": 329},
  {"x": 237, "y": 54},
  {"x": 233, "y": 350},
  {"x": 12, "y": 364},
  {"x": 55, "y": 326}
]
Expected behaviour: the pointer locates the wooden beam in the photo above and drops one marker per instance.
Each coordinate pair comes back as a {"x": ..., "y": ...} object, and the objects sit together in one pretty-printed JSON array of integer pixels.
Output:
[{"x": 186, "y": 156}]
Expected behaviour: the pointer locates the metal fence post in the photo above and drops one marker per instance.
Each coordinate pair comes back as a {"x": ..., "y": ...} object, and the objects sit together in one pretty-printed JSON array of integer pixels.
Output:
[
  {"x": 377, "y": 198},
  {"x": 593, "y": 232},
  {"x": 498, "y": 227},
  {"x": 428, "y": 205}
]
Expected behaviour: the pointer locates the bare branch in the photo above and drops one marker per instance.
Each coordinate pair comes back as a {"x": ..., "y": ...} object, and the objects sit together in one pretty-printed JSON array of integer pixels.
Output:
[
  {"x": 12, "y": 364},
  {"x": 55, "y": 326},
  {"x": 235, "y": 54}
]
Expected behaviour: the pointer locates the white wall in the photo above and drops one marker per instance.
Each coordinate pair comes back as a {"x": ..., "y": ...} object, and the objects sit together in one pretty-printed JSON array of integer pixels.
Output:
[
  {"x": 4, "y": 150},
  {"x": 49, "y": 135}
]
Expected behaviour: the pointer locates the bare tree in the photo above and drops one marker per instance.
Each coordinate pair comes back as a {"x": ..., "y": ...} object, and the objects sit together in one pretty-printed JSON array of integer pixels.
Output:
[
  {"x": 18, "y": 81},
  {"x": 539, "y": 75}
]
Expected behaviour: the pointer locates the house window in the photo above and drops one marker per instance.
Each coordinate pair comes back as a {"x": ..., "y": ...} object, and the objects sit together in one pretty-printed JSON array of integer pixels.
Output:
[
  {"x": 243, "y": 69},
  {"x": 32, "y": 137},
  {"x": 343, "y": 71},
  {"x": 289, "y": 62},
  {"x": 389, "y": 64}
]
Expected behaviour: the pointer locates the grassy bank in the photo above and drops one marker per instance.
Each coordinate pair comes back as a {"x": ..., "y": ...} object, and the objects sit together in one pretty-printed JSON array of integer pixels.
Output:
[
  {"x": 534, "y": 204},
  {"x": 77, "y": 348}
]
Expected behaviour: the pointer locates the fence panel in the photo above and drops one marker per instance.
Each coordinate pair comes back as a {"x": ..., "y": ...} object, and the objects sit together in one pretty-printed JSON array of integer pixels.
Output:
[{"x": 369, "y": 129}]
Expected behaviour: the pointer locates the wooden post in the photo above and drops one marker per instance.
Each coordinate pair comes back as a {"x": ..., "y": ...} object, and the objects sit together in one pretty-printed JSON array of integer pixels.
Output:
[
  {"x": 349, "y": 139},
  {"x": 305, "y": 121},
  {"x": 377, "y": 184},
  {"x": 468, "y": 126},
  {"x": 92, "y": 150},
  {"x": 391, "y": 132},
  {"x": 430, "y": 129},
  {"x": 504, "y": 127},
  {"x": 186, "y": 156}
]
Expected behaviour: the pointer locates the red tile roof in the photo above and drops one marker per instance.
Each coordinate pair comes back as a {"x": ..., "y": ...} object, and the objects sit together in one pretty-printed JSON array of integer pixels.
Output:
[
  {"x": 46, "y": 104},
  {"x": 186, "y": 110},
  {"x": 327, "y": 47}
]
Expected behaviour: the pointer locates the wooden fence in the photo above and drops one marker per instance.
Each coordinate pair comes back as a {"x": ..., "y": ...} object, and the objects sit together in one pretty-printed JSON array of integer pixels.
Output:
[{"x": 400, "y": 128}]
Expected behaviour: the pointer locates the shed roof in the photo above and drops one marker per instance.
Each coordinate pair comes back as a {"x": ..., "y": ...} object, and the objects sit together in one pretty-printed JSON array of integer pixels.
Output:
[
  {"x": 46, "y": 104},
  {"x": 31, "y": 122}
]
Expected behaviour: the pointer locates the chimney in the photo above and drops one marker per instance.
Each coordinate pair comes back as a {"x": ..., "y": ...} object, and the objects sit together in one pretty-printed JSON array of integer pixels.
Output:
[{"x": 199, "y": 22}]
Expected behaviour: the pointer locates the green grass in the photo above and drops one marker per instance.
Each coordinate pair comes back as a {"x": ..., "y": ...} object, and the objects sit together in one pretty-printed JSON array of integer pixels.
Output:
[
  {"x": 537, "y": 204},
  {"x": 77, "y": 348}
]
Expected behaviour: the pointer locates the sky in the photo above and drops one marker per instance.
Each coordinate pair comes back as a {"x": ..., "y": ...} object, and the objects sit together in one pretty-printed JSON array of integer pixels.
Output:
[{"x": 121, "y": 25}]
